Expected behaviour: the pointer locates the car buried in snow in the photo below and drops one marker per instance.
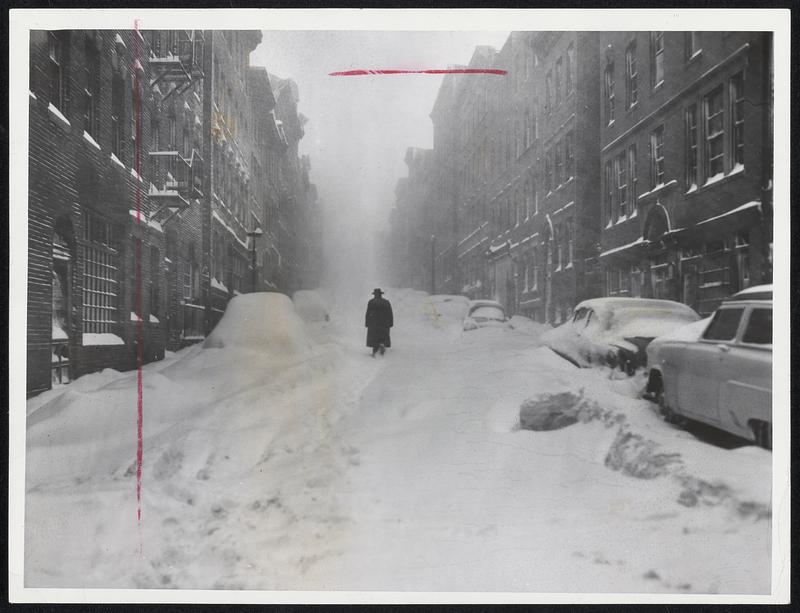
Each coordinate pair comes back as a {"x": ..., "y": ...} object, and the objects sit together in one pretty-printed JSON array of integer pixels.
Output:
[
  {"x": 616, "y": 331},
  {"x": 722, "y": 374},
  {"x": 485, "y": 313}
]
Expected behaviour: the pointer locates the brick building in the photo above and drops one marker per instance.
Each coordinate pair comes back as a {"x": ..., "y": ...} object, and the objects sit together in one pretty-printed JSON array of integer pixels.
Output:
[
  {"x": 687, "y": 170},
  {"x": 514, "y": 174},
  {"x": 613, "y": 163},
  {"x": 150, "y": 161}
]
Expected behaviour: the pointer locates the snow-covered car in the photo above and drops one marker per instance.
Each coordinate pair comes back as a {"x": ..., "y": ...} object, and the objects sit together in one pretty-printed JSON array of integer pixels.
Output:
[
  {"x": 720, "y": 374},
  {"x": 485, "y": 313},
  {"x": 616, "y": 331}
]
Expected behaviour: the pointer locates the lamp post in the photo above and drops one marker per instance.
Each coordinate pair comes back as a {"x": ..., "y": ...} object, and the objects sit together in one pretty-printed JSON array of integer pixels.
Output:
[
  {"x": 433, "y": 264},
  {"x": 254, "y": 234}
]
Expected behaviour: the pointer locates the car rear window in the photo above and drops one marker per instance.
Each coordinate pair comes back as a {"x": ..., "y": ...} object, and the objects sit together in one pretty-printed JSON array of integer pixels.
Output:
[
  {"x": 489, "y": 312},
  {"x": 724, "y": 325},
  {"x": 759, "y": 327}
]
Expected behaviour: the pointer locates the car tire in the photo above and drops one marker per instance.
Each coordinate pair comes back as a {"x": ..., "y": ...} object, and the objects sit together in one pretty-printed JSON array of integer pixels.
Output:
[
  {"x": 670, "y": 416},
  {"x": 762, "y": 431}
]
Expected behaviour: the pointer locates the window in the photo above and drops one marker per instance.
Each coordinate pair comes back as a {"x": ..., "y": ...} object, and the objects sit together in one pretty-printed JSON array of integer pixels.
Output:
[
  {"x": 155, "y": 270},
  {"x": 621, "y": 174},
  {"x": 559, "y": 166},
  {"x": 692, "y": 43},
  {"x": 569, "y": 155},
  {"x": 657, "y": 156},
  {"x": 534, "y": 125},
  {"x": 534, "y": 269},
  {"x": 58, "y": 47},
  {"x": 100, "y": 274},
  {"x": 609, "y": 180},
  {"x": 570, "y": 240},
  {"x": 631, "y": 76},
  {"x": 570, "y": 69},
  {"x": 737, "y": 119},
  {"x": 609, "y": 93},
  {"x": 656, "y": 58},
  {"x": 528, "y": 198},
  {"x": 117, "y": 115},
  {"x": 724, "y": 325},
  {"x": 691, "y": 146},
  {"x": 557, "y": 84},
  {"x": 759, "y": 327},
  {"x": 92, "y": 91},
  {"x": 715, "y": 134},
  {"x": 548, "y": 86},
  {"x": 548, "y": 172},
  {"x": 558, "y": 239},
  {"x": 191, "y": 278},
  {"x": 631, "y": 179},
  {"x": 612, "y": 279},
  {"x": 534, "y": 193}
]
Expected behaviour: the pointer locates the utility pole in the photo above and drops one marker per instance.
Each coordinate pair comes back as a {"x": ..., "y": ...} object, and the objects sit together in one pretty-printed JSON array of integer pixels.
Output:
[{"x": 208, "y": 121}]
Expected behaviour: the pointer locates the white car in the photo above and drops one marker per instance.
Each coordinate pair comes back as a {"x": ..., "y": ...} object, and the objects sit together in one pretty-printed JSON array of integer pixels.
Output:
[
  {"x": 721, "y": 374},
  {"x": 615, "y": 331},
  {"x": 484, "y": 313}
]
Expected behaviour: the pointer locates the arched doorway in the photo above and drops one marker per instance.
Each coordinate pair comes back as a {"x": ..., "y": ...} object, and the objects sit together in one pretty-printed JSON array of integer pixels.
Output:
[
  {"x": 63, "y": 248},
  {"x": 661, "y": 277}
]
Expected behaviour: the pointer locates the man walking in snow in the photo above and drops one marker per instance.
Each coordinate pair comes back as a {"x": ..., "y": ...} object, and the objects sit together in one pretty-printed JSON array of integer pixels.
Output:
[{"x": 378, "y": 321}]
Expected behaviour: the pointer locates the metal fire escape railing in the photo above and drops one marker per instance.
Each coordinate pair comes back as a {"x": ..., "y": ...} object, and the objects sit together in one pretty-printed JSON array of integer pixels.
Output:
[
  {"x": 183, "y": 179},
  {"x": 179, "y": 62}
]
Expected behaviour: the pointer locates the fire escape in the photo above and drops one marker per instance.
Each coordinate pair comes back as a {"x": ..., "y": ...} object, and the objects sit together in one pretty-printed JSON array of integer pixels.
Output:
[{"x": 176, "y": 66}]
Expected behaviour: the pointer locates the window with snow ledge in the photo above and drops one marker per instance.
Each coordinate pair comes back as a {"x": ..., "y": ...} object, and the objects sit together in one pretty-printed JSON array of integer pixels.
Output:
[
  {"x": 88, "y": 138},
  {"x": 63, "y": 121},
  {"x": 117, "y": 161},
  {"x": 96, "y": 339}
]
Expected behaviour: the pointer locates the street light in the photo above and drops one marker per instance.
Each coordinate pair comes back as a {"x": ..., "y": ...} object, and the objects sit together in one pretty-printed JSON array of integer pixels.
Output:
[{"x": 254, "y": 234}]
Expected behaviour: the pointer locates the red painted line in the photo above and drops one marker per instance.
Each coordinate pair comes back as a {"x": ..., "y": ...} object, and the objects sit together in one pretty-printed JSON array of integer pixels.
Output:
[
  {"x": 137, "y": 106},
  {"x": 391, "y": 71}
]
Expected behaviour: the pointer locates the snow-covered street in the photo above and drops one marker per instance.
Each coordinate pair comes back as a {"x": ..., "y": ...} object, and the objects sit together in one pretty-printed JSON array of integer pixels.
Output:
[{"x": 295, "y": 460}]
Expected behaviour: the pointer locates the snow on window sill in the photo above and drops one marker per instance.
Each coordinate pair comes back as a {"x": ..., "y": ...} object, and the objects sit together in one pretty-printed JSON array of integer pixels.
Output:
[
  {"x": 135, "y": 174},
  {"x": 154, "y": 319},
  {"x": 658, "y": 188},
  {"x": 620, "y": 219},
  {"x": 695, "y": 55},
  {"x": 32, "y": 95},
  {"x": 117, "y": 161},
  {"x": 93, "y": 339},
  {"x": 57, "y": 114},
  {"x": 135, "y": 317},
  {"x": 88, "y": 138},
  {"x": 568, "y": 266}
]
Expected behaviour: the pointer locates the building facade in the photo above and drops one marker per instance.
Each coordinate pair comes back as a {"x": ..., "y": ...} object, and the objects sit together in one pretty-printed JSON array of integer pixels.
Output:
[
  {"x": 153, "y": 158},
  {"x": 600, "y": 164},
  {"x": 687, "y": 169}
]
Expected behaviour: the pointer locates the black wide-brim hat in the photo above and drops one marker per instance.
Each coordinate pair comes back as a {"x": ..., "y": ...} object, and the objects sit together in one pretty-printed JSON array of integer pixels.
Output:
[{"x": 377, "y": 291}]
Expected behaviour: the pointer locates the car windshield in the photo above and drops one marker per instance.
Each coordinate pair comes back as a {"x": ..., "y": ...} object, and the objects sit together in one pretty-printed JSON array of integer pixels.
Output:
[{"x": 488, "y": 312}]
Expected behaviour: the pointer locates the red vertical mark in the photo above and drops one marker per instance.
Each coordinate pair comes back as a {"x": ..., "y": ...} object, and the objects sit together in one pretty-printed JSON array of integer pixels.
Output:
[{"x": 137, "y": 162}]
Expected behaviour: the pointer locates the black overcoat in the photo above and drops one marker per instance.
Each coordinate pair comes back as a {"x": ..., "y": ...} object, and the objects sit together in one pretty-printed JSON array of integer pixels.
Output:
[{"x": 378, "y": 320}]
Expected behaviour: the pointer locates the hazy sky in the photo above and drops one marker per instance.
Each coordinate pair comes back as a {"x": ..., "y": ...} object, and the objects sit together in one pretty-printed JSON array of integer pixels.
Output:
[{"x": 360, "y": 127}]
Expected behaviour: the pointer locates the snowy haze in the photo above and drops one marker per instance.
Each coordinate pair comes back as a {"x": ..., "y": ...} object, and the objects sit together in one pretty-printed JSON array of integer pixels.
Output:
[{"x": 360, "y": 127}]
